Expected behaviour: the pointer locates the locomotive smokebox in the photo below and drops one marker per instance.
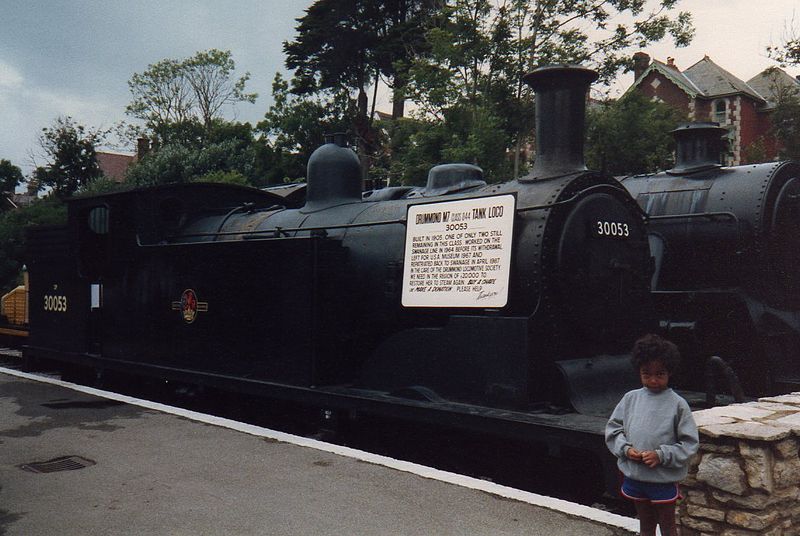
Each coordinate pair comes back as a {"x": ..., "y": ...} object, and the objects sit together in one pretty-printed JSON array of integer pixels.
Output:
[
  {"x": 333, "y": 176},
  {"x": 698, "y": 147},
  {"x": 560, "y": 114}
]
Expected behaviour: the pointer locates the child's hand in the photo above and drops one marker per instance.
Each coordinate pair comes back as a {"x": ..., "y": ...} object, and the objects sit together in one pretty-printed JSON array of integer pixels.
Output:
[
  {"x": 634, "y": 454},
  {"x": 650, "y": 458}
]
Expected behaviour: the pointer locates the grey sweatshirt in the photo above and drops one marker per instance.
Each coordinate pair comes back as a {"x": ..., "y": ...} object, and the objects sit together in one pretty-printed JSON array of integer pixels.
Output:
[{"x": 661, "y": 422}]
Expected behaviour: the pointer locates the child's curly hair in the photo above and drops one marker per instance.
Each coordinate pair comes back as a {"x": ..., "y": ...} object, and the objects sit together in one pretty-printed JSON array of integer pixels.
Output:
[{"x": 651, "y": 347}]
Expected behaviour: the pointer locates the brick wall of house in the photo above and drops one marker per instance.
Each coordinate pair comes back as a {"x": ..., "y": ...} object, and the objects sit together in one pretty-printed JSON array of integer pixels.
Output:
[
  {"x": 750, "y": 120},
  {"x": 656, "y": 84}
]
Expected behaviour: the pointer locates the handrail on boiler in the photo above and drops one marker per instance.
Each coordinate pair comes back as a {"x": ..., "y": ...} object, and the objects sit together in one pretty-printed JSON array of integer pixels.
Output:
[{"x": 709, "y": 215}]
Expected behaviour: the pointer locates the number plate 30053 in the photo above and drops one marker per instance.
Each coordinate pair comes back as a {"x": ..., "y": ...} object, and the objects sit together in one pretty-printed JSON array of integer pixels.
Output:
[
  {"x": 611, "y": 229},
  {"x": 55, "y": 303}
]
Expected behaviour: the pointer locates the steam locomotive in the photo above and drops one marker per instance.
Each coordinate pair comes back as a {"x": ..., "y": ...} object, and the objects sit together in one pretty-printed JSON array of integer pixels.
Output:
[
  {"x": 505, "y": 308},
  {"x": 726, "y": 244}
]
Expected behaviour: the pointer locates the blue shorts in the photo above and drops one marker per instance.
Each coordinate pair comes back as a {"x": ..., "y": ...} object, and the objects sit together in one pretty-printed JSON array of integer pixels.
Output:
[{"x": 654, "y": 492}]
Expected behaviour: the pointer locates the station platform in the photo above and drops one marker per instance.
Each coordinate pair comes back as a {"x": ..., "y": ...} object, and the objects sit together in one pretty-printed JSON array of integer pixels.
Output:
[{"x": 126, "y": 466}]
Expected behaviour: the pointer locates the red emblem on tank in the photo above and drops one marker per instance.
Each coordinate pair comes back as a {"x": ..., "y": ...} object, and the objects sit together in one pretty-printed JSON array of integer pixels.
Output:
[{"x": 189, "y": 306}]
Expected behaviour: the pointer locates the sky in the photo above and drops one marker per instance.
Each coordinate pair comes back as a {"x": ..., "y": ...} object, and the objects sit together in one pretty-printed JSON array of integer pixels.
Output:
[{"x": 75, "y": 57}]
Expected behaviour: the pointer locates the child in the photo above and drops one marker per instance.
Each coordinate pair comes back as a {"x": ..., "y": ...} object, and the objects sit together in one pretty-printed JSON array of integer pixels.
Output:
[{"x": 653, "y": 435}]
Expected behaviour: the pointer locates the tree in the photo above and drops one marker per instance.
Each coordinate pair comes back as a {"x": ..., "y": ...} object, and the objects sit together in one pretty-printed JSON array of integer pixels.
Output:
[
  {"x": 161, "y": 94},
  {"x": 10, "y": 176},
  {"x": 479, "y": 51},
  {"x": 70, "y": 149},
  {"x": 784, "y": 93},
  {"x": 182, "y": 91},
  {"x": 226, "y": 152},
  {"x": 13, "y": 223},
  {"x": 209, "y": 75},
  {"x": 788, "y": 52},
  {"x": 786, "y": 125},
  {"x": 344, "y": 46},
  {"x": 631, "y": 136},
  {"x": 295, "y": 126}
]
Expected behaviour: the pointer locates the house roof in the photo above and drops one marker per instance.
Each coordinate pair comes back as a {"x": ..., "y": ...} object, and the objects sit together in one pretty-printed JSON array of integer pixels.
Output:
[
  {"x": 715, "y": 81},
  {"x": 772, "y": 83},
  {"x": 703, "y": 79}
]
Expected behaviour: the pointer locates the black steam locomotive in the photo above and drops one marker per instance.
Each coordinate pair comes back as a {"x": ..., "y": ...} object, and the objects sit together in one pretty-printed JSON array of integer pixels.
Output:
[
  {"x": 472, "y": 305},
  {"x": 726, "y": 241}
]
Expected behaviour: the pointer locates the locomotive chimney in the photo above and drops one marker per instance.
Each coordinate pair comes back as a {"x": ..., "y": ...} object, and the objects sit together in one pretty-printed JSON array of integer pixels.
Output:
[
  {"x": 698, "y": 147},
  {"x": 333, "y": 175},
  {"x": 560, "y": 112}
]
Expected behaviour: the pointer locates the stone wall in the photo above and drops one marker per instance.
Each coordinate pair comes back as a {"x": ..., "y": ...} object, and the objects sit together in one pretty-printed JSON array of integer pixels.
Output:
[{"x": 745, "y": 479}]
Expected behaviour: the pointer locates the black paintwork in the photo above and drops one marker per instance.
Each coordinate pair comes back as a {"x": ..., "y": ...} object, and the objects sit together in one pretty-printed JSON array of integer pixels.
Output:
[
  {"x": 727, "y": 242},
  {"x": 300, "y": 298}
]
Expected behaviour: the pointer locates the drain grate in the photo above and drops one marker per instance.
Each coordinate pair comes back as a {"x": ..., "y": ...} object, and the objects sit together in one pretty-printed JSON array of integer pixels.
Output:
[{"x": 62, "y": 463}]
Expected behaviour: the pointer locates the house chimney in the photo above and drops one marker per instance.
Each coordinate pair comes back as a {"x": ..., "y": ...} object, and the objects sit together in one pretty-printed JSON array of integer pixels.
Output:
[
  {"x": 560, "y": 113},
  {"x": 142, "y": 147},
  {"x": 641, "y": 62}
]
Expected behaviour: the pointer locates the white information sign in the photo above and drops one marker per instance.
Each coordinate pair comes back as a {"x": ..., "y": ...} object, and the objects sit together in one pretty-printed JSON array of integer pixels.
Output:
[{"x": 458, "y": 253}]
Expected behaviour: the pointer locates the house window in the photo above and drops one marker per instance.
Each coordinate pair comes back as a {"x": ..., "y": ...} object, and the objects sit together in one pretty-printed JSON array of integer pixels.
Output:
[{"x": 720, "y": 109}]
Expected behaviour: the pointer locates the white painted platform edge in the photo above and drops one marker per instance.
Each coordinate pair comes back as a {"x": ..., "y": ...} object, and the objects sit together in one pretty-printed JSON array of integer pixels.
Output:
[{"x": 559, "y": 505}]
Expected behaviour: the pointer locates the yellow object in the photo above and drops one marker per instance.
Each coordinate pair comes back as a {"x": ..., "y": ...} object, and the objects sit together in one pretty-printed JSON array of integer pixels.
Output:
[{"x": 14, "y": 306}]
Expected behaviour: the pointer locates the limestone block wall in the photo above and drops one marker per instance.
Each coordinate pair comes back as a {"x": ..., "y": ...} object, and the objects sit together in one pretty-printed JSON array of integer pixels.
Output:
[{"x": 745, "y": 479}]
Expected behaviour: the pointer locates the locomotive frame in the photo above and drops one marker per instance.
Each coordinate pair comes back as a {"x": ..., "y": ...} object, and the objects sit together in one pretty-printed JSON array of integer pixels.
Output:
[{"x": 300, "y": 298}]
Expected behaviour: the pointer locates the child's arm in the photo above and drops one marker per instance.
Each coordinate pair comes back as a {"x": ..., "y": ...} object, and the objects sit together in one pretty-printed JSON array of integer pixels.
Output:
[
  {"x": 616, "y": 441},
  {"x": 678, "y": 454}
]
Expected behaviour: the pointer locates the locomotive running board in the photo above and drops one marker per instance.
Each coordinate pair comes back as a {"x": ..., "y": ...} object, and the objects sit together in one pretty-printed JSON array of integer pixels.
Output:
[{"x": 596, "y": 385}]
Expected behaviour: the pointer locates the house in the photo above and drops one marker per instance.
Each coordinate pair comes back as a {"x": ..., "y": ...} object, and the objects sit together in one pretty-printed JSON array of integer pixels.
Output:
[
  {"x": 707, "y": 92},
  {"x": 114, "y": 164}
]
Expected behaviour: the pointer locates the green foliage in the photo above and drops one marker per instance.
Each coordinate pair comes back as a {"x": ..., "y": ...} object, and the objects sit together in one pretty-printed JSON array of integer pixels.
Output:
[
  {"x": 479, "y": 52},
  {"x": 101, "y": 185},
  {"x": 10, "y": 176},
  {"x": 340, "y": 44},
  {"x": 788, "y": 52},
  {"x": 786, "y": 125},
  {"x": 631, "y": 135},
  {"x": 295, "y": 126},
  {"x": 344, "y": 46},
  {"x": 13, "y": 225},
  {"x": 756, "y": 152},
  {"x": 161, "y": 94},
  {"x": 224, "y": 177},
  {"x": 460, "y": 62},
  {"x": 475, "y": 138},
  {"x": 209, "y": 74},
  {"x": 195, "y": 151},
  {"x": 333, "y": 46},
  {"x": 417, "y": 146},
  {"x": 71, "y": 154},
  {"x": 181, "y": 92}
]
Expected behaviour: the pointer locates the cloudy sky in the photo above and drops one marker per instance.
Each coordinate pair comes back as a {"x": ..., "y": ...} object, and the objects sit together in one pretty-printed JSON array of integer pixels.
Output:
[{"x": 75, "y": 57}]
